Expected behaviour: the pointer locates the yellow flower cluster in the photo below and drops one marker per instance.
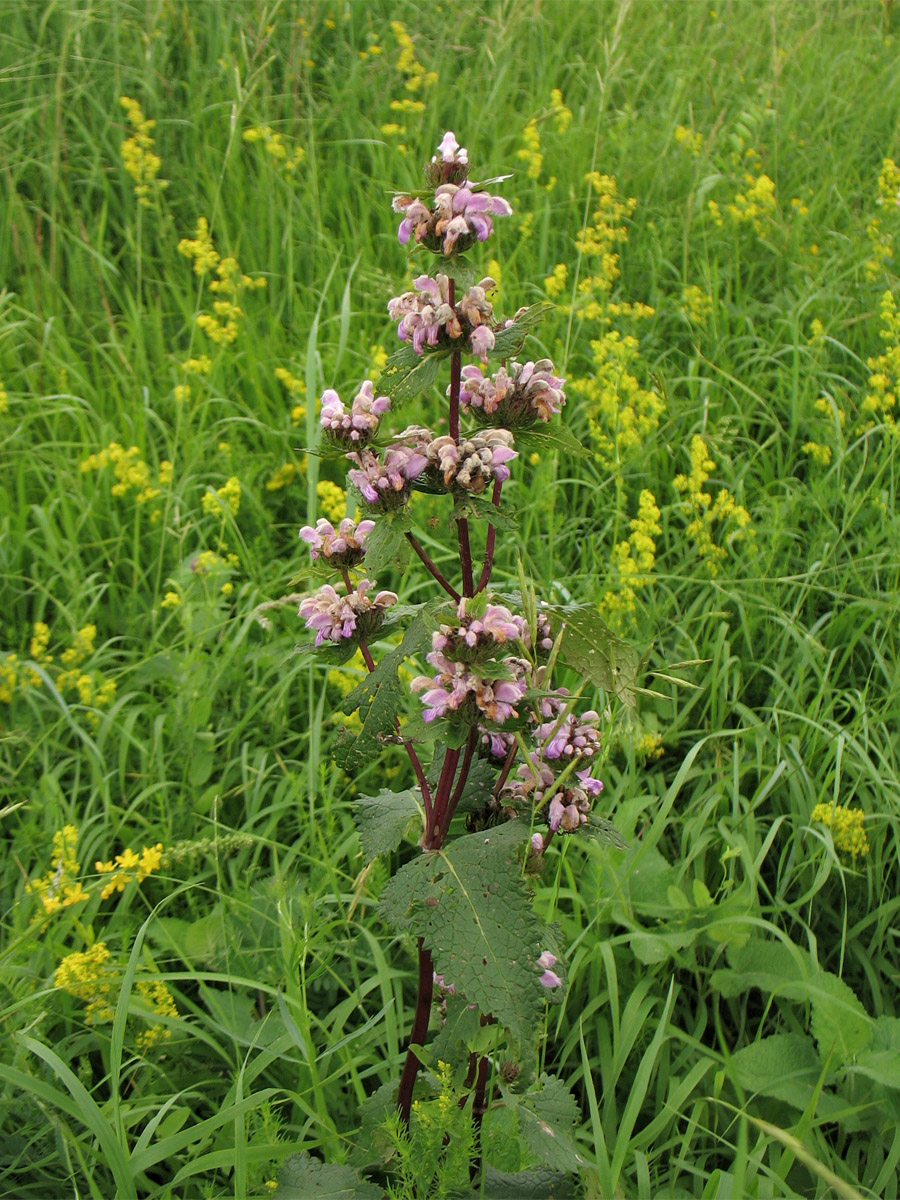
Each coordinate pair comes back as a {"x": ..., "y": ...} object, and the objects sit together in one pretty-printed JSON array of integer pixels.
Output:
[
  {"x": 756, "y": 205},
  {"x": 92, "y": 975},
  {"x": 608, "y": 229},
  {"x": 207, "y": 562},
  {"x": 60, "y": 887},
  {"x": 846, "y": 825},
  {"x": 880, "y": 402},
  {"x": 416, "y": 78},
  {"x": 276, "y": 147},
  {"x": 819, "y": 452},
  {"x": 622, "y": 414},
  {"x": 89, "y": 976},
  {"x": 530, "y": 153},
  {"x": 128, "y": 866},
  {"x": 224, "y": 500},
  {"x": 373, "y": 49},
  {"x": 131, "y": 472},
  {"x": 332, "y": 500},
  {"x": 295, "y": 388},
  {"x": 138, "y": 157},
  {"x": 882, "y": 238},
  {"x": 158, "y": 997},
  {"x": 555, "y": 282},
  {"x": 4, "y": 400},
  {"x": 222, "y": 325},
  {"x": 705, "y": 512},
  {"x": 81, "y": 648},
  {"x": 562, "y": 116},
  {"x": 284, "y": 475},
  {"x": 696, "y": 304},
  {"x": 633, "y": 562},
  {"x": 689, "y": 139},
  {"x": 92, "y": 688}
]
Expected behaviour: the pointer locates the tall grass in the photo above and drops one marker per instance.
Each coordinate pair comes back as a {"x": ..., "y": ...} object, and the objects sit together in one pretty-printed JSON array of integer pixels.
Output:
[{"x": 772, "y": 682}]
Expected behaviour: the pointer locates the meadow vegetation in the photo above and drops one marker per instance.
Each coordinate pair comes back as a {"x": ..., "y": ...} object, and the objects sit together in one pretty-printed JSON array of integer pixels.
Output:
[{"x": 195, "y": 981}]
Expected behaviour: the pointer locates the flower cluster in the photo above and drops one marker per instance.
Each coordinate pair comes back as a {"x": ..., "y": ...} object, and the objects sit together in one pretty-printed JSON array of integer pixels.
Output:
[
  {"x": 847, "y": 828},
  {"x": 457, "y": 649},
  {"x": 335, "y": 617},
  {"x": 428, "y": 318},
  {"x": 385, "y": 482},
  {"x": 343, "y": 546},
  {"x": 459, "y": 215},
  {"x": 565, "y": 805},
  {"x": 474, "y": 462},
  {"x": 128, "y": 866},
  {"x": 358, "y": 426},
  {"x": 138, "y": 157},
  {"x": 516, "y": 395},
  {"x": 60, "y": 887}
]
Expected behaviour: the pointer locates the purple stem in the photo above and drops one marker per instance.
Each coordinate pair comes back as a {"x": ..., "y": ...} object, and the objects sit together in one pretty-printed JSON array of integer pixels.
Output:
[
  {"x": 431, "y": 568},
  {"x": 417, "y": 1034},
  {"x": 489, "y": 543}
]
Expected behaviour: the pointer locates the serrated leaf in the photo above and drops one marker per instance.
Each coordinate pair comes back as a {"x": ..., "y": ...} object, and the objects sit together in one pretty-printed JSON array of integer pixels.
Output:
[
  {"x": 547, "y": 1118},
  {"x": 784, "y": 1066},
  {"x": 605, "y": 832},
  {"x": 386, "y": 545},
  {"x": 880, "y": 1062},
  {"x": 765, "y": 964},
  {"x": 591, "y": 648},
  {"x": 407, "y": 374},
  {"x": 479, "y": 508},
  {"x": 550, "y": 437},
  {"x": 455, "y": 1039},
  {"x": 460, "y": 271},
  {"x": 382, "y": 820},
  {"x": 839, "y": 1022},
  {"x": 539, "y": 1183},
  {"x": 378, "y": 697},
  {"x": 509, "y": 341},
  {"x": 372, "y": 1143},
  {"x": 470, "y": 904},
  {"x": 303, "y": 1177}
]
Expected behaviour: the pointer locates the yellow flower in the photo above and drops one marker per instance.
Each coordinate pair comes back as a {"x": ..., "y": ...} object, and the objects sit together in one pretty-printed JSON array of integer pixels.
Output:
[
  {"x": 138, "y": 157},
  {"x": 846, "y": 825},
  {"x": 555, "y": 282},
  {"x": 705, "y": 512},
  {"x": 226, "y": 499},
  {"x": 332, "y": 499},
  {"x": 689, "y": 140},
  {"x": 89, "y": 975}
]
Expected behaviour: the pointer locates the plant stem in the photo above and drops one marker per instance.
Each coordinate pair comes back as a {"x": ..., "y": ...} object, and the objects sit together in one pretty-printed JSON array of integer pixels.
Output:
[
  {"x": 479, "y": 1108},
  {"x": 430, "y": 566},
  {"x": 489, "y": 542},
  {"x": 417, "y": 1033}
]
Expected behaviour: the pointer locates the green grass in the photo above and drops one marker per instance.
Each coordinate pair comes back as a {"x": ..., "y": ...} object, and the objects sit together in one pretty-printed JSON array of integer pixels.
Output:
[{"x": 294, "y": 1002}]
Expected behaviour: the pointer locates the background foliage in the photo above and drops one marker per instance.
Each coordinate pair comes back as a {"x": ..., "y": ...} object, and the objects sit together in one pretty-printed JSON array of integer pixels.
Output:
[{"x": 707, "y": 196}]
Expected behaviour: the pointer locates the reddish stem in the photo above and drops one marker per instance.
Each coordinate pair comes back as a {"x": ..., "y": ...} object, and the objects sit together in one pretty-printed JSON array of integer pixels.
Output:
[
  {"x": 471, "y": 743},
  {"x": 437, "y": 830},
  {"x": 465, "y": 557},
  {"x": 489, "y": 543},
  {"x": 431, "y": 568},
  {"x": 417, "y": 1034}
]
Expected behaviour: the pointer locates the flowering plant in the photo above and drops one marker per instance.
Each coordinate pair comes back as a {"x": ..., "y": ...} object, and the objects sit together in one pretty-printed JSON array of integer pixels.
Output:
[{"x": 503, "y": 762}]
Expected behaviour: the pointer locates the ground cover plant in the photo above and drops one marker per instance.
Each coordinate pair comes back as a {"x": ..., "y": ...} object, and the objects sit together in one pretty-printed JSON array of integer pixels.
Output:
[{"x": 199, "y": 987}]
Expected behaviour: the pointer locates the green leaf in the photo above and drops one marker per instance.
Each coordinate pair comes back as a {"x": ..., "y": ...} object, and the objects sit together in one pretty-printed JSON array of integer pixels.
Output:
[
  {"x": 839, "y": 1022},
  {"x": 479, "y": 508},
  {"x": 545, "y": 436},
  {"x": 784, "y": 1066},
  {"x": 539, "y": 1183},
  {"x": 460, "y": 271},
  {"x": 547, "y": 1119},
  {"x": 303, "y": 1177},
  {"x": 386, "y": 545},
  {"x": 605, "y": 832},
  {"x": 508, "y": 342},
  {"x": 470, "y": 904},
  {"x": 407, "y": 374},
  {"x": 591, "y": 648},
  {"x": 383, "y": 820},
  {"x": 880, "y": 1062},
  {"x": 372, "y": 1143},
  {"x": 456, "y": 1038},
  {"x": 768, "y": 965},
  {"x": 379, "y": 697}
]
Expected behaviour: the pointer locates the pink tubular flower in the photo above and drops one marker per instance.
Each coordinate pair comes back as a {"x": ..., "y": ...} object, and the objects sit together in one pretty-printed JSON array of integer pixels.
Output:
[
  {"x": 385, "y": 482},
  {"x": 458, "y": 689},
  {"x": 357, "y": 426},
  {"x": 475, "y": 462},
  {"x": 475, "y": 637},
  {"x": 425, "y": 316},
  {"x": 335, "y": 617},
  {"x": 518, "y": 394},
  {"x": 550, "y": 980},
  {"x": 342, "y": 546},
  {"x": 570, "y": 736}
]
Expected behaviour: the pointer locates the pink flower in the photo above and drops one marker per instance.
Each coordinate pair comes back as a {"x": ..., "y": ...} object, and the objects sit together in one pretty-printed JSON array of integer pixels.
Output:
[
  {"x": 519, "y": 394},
  {"x": 357, "y": 426},
  {"x": 335, "y": 617},
  {"x": 475, "y": 462},
  {"x": 385, "y": 482},
  {"x": 343, "y": 546},
  {"x": 550, "y": 980}
]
